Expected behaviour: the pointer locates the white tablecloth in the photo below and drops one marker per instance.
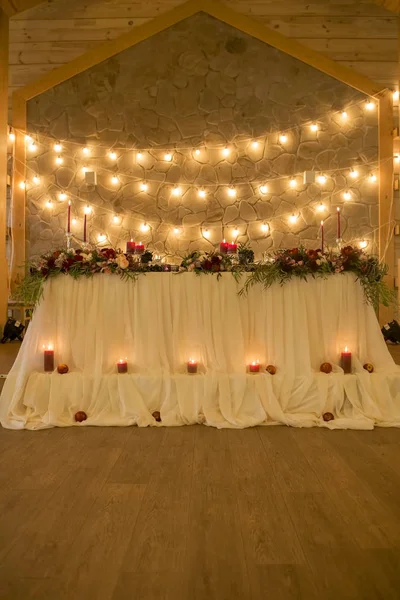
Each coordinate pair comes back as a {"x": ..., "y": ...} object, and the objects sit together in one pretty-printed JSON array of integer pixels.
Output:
[{"x": 163, "y": 319}]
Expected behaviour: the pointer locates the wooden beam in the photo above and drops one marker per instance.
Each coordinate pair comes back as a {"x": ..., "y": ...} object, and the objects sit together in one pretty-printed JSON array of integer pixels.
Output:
[
  {"x": 386, "y": 204},
  {"x": 13, "y": 7},
  {"x": 18, "y": 194},
  {"x": 3, "y": 164},
  {"x": 392, "y": 5}
]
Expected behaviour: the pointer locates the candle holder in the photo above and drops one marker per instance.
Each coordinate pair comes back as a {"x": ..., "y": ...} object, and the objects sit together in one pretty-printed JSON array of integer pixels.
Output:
[
  {"x": 192, "y": 366},
  {"x": 122, "y": 366},
  {"x": 339, "y": 243},
  {"x": 69, "y": 237},
  {"x": 254, "y": 367}
]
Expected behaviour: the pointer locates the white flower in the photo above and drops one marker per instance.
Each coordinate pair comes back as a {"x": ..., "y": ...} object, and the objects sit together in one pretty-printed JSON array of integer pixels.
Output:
[
  {"x": 191, "y": 267},
  {"x": 60, "y": 259},
  {"x": 87, "y": 257},
  {"x": 318, "y": 261},
  {"x": 122, "y": 261}
]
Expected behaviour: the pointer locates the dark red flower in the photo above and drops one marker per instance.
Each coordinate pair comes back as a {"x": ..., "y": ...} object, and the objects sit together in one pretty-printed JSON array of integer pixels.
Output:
[
  {"x": 78, "y": 257},
  {"x": 56, "y": 254},
  {"x": 51, "y": 262},
  {"x": 108, "y": 253},
  {"x": 347, "y": 251},
  {"x": 312, "y": 254},
  {"x": 44, "y": 271},
  {"x": 207, "y": 265}
]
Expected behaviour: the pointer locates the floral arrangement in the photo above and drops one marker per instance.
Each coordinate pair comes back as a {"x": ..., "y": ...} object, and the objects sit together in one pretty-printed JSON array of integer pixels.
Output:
[{"x": 277, "y": 267}]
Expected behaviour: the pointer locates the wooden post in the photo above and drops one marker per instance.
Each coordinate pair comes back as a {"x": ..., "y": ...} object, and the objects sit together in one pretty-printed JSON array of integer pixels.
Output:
[
  {"x": 3, "y": 164},
  {"x": 18, "y": 194},
  {"x": 386, "y": 204}
]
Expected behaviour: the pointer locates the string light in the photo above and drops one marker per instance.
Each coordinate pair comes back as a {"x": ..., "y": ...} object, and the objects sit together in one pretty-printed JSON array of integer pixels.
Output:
[
  {"x": 255, "y": 144},
  {"x": 202, "y": 193},
  {"x": 369, "y": 105},
  {"x": 176, "y": 190},
  {"x": 353, "y": 173},
  {"x": 84, "y": 170},
  {"x": 344, "y": 115},
  {"x": 139, "y": 156},
  {"x": 283, "y": 138},
  {"x": 59, "y": 160},
  {"x": 87, "y": 210},
  {"x": 321, "y": 207},
  {"x": 102, "y": 237},
  {"x": 33, "y": 147},
  {"x": 168, "y": 156},
  {"x": 62, "y": 196},
  {"x": 264, "y": 188},
  {"x": 112, "y": 155},
  {"x": 232, "y": 192},
  {"x": 292, "y": 183},
  {"x": 197, "y": 152},
  {"x": 396, "y": 96},
  {"x": 314, "y": 127},
  {"x": 363, "y": 244},
  {"x": 73, "y": 221},
  {"x": 116, "y": 219},
  {"x": 36, "y": 180},
  {"x": 264, "y": 227},
  {"x": 321, "y": 179},
  {"x": 373, "y": 178},
  {"x": 145, "y": 227},
  {"x": 114, "y": 180},
  {"x": 206, "y": 233},
  {"x": 346, "y": 195},
  {"x": 22, "y": 185},
  {"x": 226, "y": 151},
  {"x": 177, "y": 230},
  {"x": 144, "y": 187},
  {"x": 11, "y": 136},
  {"x": 397, "y": 158},
  {"x": 235, "y": 231},
  {"x": 49, "y": 204},
  {"x": 293, "y": 218},
  {"x": 86, "y": 151},
  {"x": 57, "y": 147},
  {"x": 28, "y": 139}
]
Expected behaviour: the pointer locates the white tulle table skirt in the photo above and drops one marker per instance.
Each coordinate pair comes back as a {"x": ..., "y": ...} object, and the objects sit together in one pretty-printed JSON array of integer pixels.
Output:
[{"x": 163, "y": 319}]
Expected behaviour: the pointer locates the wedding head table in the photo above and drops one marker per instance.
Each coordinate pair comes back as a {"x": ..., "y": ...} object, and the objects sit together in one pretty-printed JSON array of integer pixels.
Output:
[{"x": 160, "y": 323}]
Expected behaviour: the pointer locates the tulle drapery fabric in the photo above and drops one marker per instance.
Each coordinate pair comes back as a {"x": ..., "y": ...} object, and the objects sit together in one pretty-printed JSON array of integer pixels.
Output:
[{"x": 160, "y": 321}]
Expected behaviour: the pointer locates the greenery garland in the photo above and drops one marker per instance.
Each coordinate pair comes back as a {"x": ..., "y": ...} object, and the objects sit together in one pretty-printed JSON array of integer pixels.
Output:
[{"x": 278, "y": 267}]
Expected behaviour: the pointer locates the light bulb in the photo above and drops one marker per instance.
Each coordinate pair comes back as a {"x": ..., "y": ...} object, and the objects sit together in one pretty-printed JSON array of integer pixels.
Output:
[
  {"x": 373, "y": 178},
  {"x": 206, "y": 233},
  {"x": 235, "y": 232},
  {"x": 264, "y": 227},
  {"x": 397, "y": 158},
  {"x": 363, "y": 244},
  {"x": 321, "y": 207},
  {"x": 144, "y": 227},
  {"x": 144, "y": 187},
  {"x": 57, "y": 147},
  {"x": 168, "y": 156},
  {"x": 255, "y": 144},
  {"x": 226, "y": 151},
  {"x": 344, "y": 115},
  {"x": 176, "y": 230},
  {"x": 62, "y": 196},
  {"x": 202, "y": 193},
  {"x": 231, "y": 192},
  {"x": 293, "y": 218},
  {"x": 87, "y": 210},
  {"x": 73, "y": 221},
  {"x": 197, "y": 152},
  {"x": 114, "y": 180},
  {"x": 28, "y": 139},
  {"x": 49, "y": 204},
  {"x": 139, "y": 156},
  {"x": 84, "y": 170},
  {"x": 176, "y": 191},
  {"x": 102, "y": 237},
  {"x": 36, "y": 180},
  {"x": 353, "y": 174},
  {"x": 11, "y": 136},
  {"x": 346, "y": 195},
  {"x": 86, "y": 151},
  {"x": 369, "y": 105},
  {"x": 293, "y": 183},
  {"x": 33, "y": 147},
  {"x": 396, "y": 96},
  {"x": 22, "y": 185},
  {"x": 116, "y": 219},
  {"x": 59, "y": 160},
  {"x": 321, "y": 179},
  {"x": 283, "y": 138},
  {"x": 264, "y": 189},
  {"x": 314, "y": 127},
  {"x": 112, "y": 155}
]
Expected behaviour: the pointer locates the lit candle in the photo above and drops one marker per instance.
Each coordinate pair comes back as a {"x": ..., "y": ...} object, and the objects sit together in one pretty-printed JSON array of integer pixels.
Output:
[
  {"x": 346, "y": 360},
  {"x": 254, "y": 367},
  {"x": 192, "y": 366},
  {"x": 223, "y": 247},
  {"x": 130, "y": 247},
  {"x": 232, "y": 248},
  {"x": 139, "y": 248},
  {"x": 48, "y": 354},
  {"x": 322, "y": 236},
  {"x": 122, "y": 365},
  {"x": 338, "y": 223},
  {"x": 69, "y": 217}
]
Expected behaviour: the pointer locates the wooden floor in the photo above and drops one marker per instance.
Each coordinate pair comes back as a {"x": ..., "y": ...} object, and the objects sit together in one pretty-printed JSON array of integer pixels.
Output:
[{"x": 194, "y": 513}]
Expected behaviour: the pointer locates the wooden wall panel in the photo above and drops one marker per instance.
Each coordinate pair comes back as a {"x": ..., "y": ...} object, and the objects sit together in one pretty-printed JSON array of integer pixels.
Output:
[
  {"x": 358, "y": 33},
  {"x": 3, "y": 165}
]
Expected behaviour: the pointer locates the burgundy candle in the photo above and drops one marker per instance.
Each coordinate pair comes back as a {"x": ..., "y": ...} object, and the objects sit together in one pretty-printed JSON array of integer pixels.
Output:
[
  {"x": 122, "y": 366},
  {"x": 232, "y": 248},
  {"x": 254, "y": 367},
  {"x": 223, "y": 247},
  {"x": 322, "y": 236},
  {"x": 84, "y": 227},
  {"x": 69, "y": 217},
  {"x": 338, "y": 223},
  {"x": 346, "y": 360},
  {"x": 192, "y": 366},
  {"x": 139, "y": 248},
  {"x": 48, "y": 355},
  {"x": 130, "y": 247}
]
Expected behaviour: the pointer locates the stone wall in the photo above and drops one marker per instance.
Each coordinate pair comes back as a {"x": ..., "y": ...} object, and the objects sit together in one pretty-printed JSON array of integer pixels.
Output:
[{"x": 202, "y": 83}]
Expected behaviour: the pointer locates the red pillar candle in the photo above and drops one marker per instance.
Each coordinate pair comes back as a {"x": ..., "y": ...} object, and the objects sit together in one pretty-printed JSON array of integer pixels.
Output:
[
  {"x": 139, "y": 248},
  {"x": 48, "y": 355},
  {"x": 338, "y": 224},
  {"x": 122, "y": 366},
  {"x": 232, "y": 248},
  {"x": 346, "y": 360},
  {"x": 322, "y": 236},
  {"x": 254, "y": 367},
  {"x": 69, "y": 217},
  {"x": 192, "y": 366},
  {"x": 130, "y": 247},
  {"x": 223, "y": 247}
]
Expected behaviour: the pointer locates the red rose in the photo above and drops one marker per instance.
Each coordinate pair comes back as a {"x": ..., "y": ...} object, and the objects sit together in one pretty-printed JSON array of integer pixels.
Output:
[
  {"x": 78, "y": 258},
  {"x": 207, "y": 265},
  {"x": 44, "y": 271},
  {"x": 56, "y": 254}
]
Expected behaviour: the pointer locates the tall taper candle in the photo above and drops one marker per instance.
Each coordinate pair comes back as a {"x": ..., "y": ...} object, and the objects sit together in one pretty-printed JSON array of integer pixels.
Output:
[
  {"x": 69, "y": 217},
  {"x": 84, "y": 228},
  {"x": 322, "y": 236},
  {"x": 338, "y": 223}
]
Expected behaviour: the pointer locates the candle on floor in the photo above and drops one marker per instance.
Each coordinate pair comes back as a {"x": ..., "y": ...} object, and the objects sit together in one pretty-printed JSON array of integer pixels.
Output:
[
  {"x": 223, "y": 247},
  {"x": 232, "y": 248},
  {"x": 130, "y": 247},
  {"x": 192, "y": 366},
  {"x": 48, "y": 355},
  {"x": 139, "y": 248},
  {"x": 346, "y": 360},
  {"x": 122, "y": 365},
  {"x": 338, "y": 224},
  {"x": 254, "y": 367}
]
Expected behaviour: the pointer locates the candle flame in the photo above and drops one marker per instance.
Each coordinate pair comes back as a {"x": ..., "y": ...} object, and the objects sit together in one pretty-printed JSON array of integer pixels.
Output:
[
  {"x": 322, "y": 223},
  {"x": 192, "y": 361},
  {"x": 255, "y": 362},
  {"x": 346, "y": 349},
  {"x": 49, "y": 347}
]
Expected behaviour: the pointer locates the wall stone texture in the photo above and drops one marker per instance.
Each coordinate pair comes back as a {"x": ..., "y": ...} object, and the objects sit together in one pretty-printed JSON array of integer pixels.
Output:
[{"x": 202, "y": 84}]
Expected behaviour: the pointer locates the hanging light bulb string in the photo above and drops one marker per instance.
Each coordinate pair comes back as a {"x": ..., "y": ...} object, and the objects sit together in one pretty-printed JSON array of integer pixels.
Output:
[{"x": 241, "y": 140}]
